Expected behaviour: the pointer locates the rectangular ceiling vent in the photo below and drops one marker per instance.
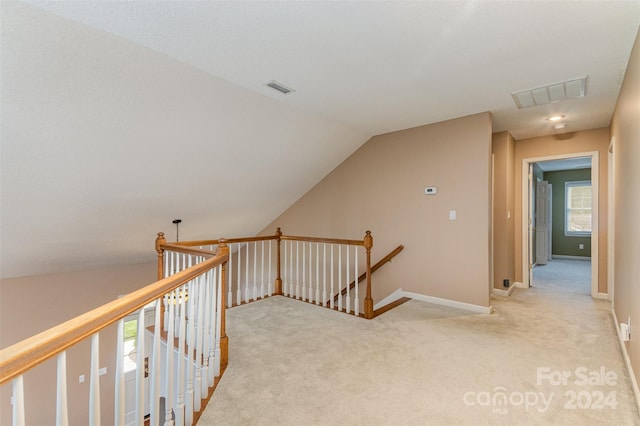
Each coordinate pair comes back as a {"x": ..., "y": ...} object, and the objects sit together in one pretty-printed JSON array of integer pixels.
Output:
[
  {"x": 557, "y": 92},
  {"x": 280, "y": 87}
]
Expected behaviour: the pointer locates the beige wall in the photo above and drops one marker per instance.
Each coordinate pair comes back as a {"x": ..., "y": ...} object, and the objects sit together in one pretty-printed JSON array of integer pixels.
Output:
[
  {"x": 381, "y": 187},
  {"x": 625, "y": 128},
  {"x": 503, "y": 148},
  {"x": 585, "y": 141},
  {"x": 29, "y": 305}
]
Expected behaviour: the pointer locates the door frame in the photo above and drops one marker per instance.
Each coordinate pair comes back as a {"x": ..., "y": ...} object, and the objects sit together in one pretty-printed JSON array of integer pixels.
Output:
[{"x": 595, "y": 182}]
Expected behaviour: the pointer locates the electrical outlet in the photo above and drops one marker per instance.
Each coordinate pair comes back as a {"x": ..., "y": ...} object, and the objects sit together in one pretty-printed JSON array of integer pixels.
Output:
[
  {"x": 629, "y": 327},
  {"x": 102, "y": 371},
  {"x": 581, "y": 246},
  {"x": 81, "y": 378}
]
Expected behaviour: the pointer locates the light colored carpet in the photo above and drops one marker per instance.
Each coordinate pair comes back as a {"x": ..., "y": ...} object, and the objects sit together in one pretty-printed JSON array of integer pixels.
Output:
[
  {"x": 565, "y": 275},
  {"x": 292, "y": 363}
]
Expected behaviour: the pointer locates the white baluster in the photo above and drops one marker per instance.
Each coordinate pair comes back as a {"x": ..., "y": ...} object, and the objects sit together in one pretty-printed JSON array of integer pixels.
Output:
[
  {"x": 215, "y": 287},
  {"x": 324, "y": 274},
  {"x": 255, "y": 270},
  {"x": 239, "y": 297},
  {"x": 62, "y": 415},
  {"x": 317, "y": 273},
  {"x": 285, "y": 281},
  {"x": 165, "y": 300},
  {"x": 331, "y": 300},
  {"x": 246, "y": 276},
  {"x": 310, "y": 272},
  {"x": 298, "y": 269},
  {"x": 182, "y": 334},
  {"x": 270, "y": 283},
  {"x": 218, "y": 330},
  {"x": 94, "y": 382},
  {"x": 168, "y": 420},
  {"x": 154, "y": 392},
  {"x": 348, "y": 299},
  {"x": 140, "y": 355},
  {"x": 262, "y": 293},
  {"x": 18, "y": 401},
  {"x": 206, "y": 324},
  {"x": 230, "y": 269},
  {"x": 119, "y": 375},
  {"x": 356, "y": 301},
  {"x": 197, "y": 384},
  {"x": 339, "y": 277},
  {"x": 190, "y": 347},
  {"x": 291, "y": 268},
  {"x": 304, "y": 270},
  {"x": 167, "y": 271}
]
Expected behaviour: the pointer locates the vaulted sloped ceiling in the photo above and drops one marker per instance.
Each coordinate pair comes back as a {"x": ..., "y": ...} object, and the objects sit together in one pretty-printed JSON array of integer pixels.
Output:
[{"x": 118, "y": 117}]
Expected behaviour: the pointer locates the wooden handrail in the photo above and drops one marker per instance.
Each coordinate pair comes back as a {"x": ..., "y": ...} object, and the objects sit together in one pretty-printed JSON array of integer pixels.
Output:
[
  {"x": 227, "y": 240},
  {"x": 393, "y": 253},
  {"x": 183, "y": 249},
  {"x": 20, "y": 357},
  {"x": 323, "y": 240}
]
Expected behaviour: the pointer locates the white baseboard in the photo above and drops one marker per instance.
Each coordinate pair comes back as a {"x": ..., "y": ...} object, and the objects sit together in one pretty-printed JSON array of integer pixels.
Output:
[
  {"x": 399, "y": 293},
  {"x": 504, "y": 292},
  {"x": 562, "y": 256},
  {"x": 627, "y": 360},
  {"x": 519, "y": 284},
  {"x": 601, "y": 296},
  {"x": 390, "y": 298}
]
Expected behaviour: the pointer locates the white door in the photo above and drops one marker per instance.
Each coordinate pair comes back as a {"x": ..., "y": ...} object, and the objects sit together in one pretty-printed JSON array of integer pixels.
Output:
[{"x": 542, "y": 223}]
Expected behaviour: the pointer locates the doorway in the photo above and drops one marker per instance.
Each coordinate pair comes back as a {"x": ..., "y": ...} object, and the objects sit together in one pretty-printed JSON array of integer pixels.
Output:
[{"x": 528, "y": 220}]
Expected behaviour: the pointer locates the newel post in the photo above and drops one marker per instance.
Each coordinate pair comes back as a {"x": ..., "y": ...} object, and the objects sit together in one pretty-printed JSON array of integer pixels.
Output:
[
  {"x": 160, "y": 240},
  {"x": 278, "y": 283},
  {"x": 222, "y": 250},
  {"x": 368, "y": 301}
]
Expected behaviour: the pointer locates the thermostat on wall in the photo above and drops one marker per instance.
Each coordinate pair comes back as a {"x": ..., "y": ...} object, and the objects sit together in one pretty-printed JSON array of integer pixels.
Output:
[{"x": 430, "y": 190}]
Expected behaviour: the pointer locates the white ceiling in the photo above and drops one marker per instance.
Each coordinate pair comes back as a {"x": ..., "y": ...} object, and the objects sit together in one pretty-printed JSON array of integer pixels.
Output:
[
  {"x": 385, "y": 66},
  {"x": 104, "y": 104}
]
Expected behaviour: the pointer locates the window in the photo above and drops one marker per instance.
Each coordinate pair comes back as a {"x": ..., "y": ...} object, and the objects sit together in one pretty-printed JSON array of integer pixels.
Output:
[{"x": 577, "y": 208}]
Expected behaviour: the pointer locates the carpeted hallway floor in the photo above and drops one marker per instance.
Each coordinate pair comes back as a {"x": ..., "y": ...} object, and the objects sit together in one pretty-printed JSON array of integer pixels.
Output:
[{"x": 292, "y": 363}]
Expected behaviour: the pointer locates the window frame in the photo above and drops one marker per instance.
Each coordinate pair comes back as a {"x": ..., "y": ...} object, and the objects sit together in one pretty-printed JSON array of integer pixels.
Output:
[{"x": 567, "y": 186}]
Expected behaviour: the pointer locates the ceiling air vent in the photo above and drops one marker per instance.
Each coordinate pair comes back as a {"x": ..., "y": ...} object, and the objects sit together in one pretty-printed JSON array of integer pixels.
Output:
[
  {"x": 557, "y": 92},
  {"x": 280, "y": 87}
]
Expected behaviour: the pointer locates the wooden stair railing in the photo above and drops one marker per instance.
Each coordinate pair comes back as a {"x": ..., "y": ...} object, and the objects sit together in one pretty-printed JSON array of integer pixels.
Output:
[
  {"x": 393, "y": 253},
  {"x": 18, "y": 359},
  {"x": 248, "y": 257}
]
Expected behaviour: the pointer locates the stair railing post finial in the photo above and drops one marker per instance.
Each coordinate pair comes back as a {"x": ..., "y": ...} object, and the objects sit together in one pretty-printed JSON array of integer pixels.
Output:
[
  {"x": 222, "y": 250},
  {"x": 278, "y": 283},
  {"x": 368, "y": 301}
]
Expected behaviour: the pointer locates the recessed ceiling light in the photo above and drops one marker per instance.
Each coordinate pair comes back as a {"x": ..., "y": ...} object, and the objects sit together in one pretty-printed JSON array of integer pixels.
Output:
[{"x": 555, "y": 118}]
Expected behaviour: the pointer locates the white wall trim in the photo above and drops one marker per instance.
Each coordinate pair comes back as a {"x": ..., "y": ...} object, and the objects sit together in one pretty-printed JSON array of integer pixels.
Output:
[
  {"x": 566, "y": 256},
  {"x": 399, "y": 293},
  {"x": 390, "y": 298},
  {"x": 627, "y": 360},
  {"x": 520, "y": 285},
  {"x": 601, "y": 296},
  {"x": 503, "y": 292}
]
